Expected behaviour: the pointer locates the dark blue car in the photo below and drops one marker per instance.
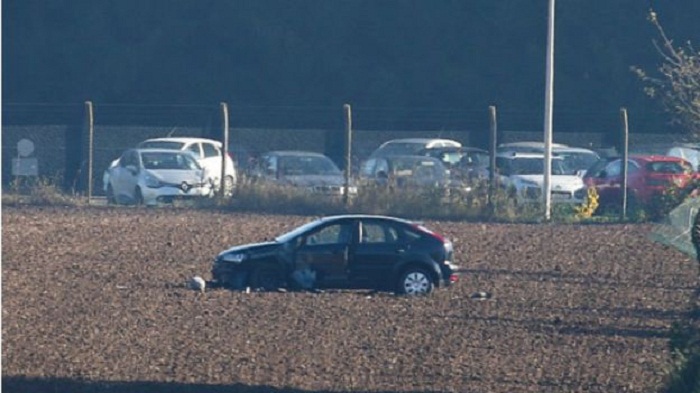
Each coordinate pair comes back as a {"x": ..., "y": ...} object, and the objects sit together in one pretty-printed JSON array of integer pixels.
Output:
[{"x": 347, "y": 251}]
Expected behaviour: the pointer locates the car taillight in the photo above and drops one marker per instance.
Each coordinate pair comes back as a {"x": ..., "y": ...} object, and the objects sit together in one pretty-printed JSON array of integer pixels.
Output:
[{"x": 431, "y": 233}]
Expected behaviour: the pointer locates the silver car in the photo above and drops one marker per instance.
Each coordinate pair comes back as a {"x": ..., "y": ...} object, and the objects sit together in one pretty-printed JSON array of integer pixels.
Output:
[
  {"x": 312, "y": 171},
  {"x": 153, "y": 176}
]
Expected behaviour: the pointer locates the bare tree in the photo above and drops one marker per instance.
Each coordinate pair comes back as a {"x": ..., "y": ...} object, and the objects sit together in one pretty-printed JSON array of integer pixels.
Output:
[{"x": 678, "y": 84}]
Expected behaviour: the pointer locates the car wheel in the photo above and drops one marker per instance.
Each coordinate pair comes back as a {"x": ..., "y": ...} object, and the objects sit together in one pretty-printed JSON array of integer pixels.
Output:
[
  {"x": 138, "y": 197},
  {"x": 415, "y": 281},
  {"x": 110, "y": 195},
  {"x": 228, "y": 186},
  {"x": 267, "y": 278}
]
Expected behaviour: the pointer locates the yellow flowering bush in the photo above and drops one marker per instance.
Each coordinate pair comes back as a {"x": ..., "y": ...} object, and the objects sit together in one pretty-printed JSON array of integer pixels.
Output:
[{"x": 586, "y": 209}]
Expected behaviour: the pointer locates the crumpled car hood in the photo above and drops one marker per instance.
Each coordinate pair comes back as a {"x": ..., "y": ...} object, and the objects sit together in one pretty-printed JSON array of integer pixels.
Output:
[{"x": 254, "y": 249}]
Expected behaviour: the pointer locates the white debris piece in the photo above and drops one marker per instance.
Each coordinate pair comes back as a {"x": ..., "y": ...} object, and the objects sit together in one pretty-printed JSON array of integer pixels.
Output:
[
  {"x": 481, "y": 295},
  {"x": 197, "y": 283}
]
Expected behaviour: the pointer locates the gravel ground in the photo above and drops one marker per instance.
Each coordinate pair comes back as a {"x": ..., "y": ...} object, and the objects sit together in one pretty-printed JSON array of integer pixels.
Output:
[{"x": 94, "y": 300}]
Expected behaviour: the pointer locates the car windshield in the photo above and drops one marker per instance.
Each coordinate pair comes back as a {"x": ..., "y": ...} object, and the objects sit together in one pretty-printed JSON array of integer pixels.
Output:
[
  {"x": 535, "y": 166},
  {"x": 418, "y": 168},
  {"x": 169, "y": 145},
  {"x": 284, "y": 238},
  {"x": 475, "y": 158},
  {"x": 449, "y": 157},
  {"x": 401, "y": 148},
  {"x": 670, "y": 167},
  {"x": 307, "y": 165},
  {"x": 578, "y": 160},
  {"x": 168, "y": 161}
]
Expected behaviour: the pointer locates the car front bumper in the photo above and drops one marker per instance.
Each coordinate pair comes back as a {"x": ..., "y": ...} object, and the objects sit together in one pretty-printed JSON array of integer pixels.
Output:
[
  {"x": 169, "y": 194},
  {"x": 534, "y": 195}
]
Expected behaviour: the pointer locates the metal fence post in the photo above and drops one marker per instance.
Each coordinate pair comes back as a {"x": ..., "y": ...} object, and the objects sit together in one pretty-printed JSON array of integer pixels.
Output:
[
  {"x": 493, "y": 143},
  {"x": 224, "y": 148},
  {"x": 91, "y": 125},
  {"x": 625, "y": 153},
  {"x": 348, "y": 152}
]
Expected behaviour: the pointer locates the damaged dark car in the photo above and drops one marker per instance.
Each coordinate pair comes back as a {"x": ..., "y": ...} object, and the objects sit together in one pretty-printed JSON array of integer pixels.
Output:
[{"x": 347, "y": 251}]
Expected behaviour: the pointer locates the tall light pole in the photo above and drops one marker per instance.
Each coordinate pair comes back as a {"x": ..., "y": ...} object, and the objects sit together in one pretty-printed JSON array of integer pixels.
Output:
[{"x": 548, "y": 104}]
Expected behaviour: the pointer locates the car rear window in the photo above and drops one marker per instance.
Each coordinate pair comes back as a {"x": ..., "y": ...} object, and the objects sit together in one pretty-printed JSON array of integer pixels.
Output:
[
  {"x": 161, "y": 145},
  {"x": 673, "y": 167}
]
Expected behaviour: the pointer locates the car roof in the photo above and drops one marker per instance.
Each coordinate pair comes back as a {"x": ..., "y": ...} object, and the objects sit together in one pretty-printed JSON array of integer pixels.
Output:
[
  {"x": 572, "y": 149},
  {"x": 655, "y": 158},
  {"x": 534, "y": 144},
  {"x": 516, "y": 154},
  {"x": 455, "y": 149},
  {"x": 158, "y": 150},
  {"x": 425, "y": 141},
  {"x": 183, "y": 139},
  {"x": 366, "y": 216},
  {"x": 392, "y": 157},
  {"x": 295, "y": 153}
]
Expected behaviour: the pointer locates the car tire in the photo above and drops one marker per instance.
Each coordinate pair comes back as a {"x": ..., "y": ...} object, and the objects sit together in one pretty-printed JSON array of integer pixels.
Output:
[
  {"x": 267, "y": 278},
  {"x": 415, "y": 281},
  {"x": 111, "y": 199},
  {"x": 228, "y": 186},
  {"x": 138, "y": 197}
]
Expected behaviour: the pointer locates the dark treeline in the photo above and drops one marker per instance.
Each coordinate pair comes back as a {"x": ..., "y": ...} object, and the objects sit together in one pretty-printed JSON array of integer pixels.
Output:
[{"x": 432, "y": 55}]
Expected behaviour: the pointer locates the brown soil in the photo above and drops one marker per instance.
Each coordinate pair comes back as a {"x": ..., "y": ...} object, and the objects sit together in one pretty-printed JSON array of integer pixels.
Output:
[{"x": 94, "y": 300}]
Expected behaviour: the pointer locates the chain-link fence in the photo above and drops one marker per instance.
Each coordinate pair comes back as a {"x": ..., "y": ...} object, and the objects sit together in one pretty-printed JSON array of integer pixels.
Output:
[{"x": 59, "y": 134}]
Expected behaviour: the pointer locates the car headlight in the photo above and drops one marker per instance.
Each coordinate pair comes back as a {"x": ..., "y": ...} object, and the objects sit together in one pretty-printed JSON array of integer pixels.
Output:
[
  {"x": 152, "y": 181},
  {"x": 235, "y": 257}
]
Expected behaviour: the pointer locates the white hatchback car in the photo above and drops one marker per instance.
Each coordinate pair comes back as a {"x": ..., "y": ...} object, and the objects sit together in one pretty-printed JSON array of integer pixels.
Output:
[
  {"x": 207, "y": 152},
  {"x": 411, "y": 146},
  {"x": 525, "y": 173},
  {"x": 153, "y": 176}
]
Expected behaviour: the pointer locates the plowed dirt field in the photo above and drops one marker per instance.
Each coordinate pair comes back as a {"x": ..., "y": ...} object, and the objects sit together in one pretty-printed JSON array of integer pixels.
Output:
[{"x": 93, "y": 300}]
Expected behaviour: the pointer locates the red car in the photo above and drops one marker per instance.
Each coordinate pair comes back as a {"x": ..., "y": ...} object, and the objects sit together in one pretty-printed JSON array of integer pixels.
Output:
[{"x": 648, "y": 176}]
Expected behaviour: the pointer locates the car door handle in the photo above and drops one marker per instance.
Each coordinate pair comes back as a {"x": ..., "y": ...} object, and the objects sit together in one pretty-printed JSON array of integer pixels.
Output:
[{"x": 400, "y": 251}]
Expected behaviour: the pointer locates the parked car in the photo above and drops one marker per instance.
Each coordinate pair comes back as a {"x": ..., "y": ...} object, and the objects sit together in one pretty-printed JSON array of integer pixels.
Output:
[
  {"x": 243, "y": 157},
  {"x": 465, "y": 163},
  {"x": 524, "y": 172},
  {"x": 347, "y": 251},
  {"x": 411, "y": 146},
  {"x": 207, "y": 152},
  {"x": 313, "y": 171},
  {"x": 578, "y": 159},
  {"x": 404, "y": 172},
  {"x": 687, "y": 151},
  {"x": 153, "y": 176},
  {"x": 647, "y": 176},
  {"x": 525, "y": 147}
]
